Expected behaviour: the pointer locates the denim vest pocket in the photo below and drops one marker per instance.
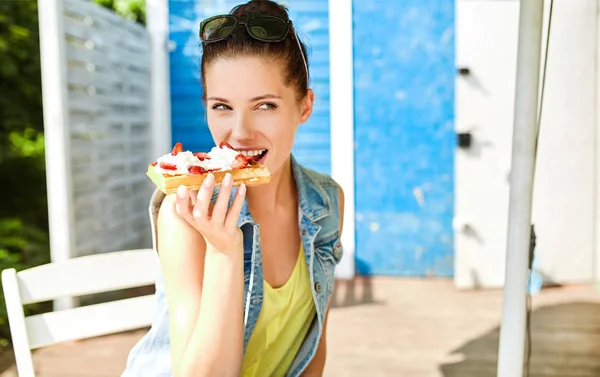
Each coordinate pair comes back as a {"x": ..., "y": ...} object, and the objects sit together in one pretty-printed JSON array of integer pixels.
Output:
[{"x": 328, "y": 253}]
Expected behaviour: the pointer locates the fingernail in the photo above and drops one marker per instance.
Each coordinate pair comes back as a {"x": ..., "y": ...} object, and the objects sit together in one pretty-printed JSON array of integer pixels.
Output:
[
  {"x": 196, "y": 213},
  {"x": 208, "y": 181},
  {"x": 182, "y": 191},
  {"x": 227, "y": 180},
  {"x": 241, "y": 190}
]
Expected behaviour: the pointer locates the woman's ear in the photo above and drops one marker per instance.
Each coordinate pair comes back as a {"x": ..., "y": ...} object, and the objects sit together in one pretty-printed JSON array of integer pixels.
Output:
[{"x": 306, "y": 105}]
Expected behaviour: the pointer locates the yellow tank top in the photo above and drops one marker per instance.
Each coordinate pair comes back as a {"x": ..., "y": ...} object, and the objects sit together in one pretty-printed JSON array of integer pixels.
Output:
[{"x": 284, "y": 321}]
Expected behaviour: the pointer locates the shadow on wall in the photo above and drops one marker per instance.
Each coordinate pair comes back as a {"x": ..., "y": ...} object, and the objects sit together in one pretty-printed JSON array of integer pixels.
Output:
[
  {"x": 356, "y": 291},
  {"x": 565, "y": 343}
]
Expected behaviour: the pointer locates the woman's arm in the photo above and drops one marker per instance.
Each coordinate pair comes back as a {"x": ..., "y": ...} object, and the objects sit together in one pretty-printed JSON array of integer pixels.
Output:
[
  {"x": 204, "y": 287},
  {"x": 317, "y": 365}
]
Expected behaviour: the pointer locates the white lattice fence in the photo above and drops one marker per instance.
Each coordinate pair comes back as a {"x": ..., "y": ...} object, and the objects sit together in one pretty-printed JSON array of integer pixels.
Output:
[{"x": 103, "y": 64}]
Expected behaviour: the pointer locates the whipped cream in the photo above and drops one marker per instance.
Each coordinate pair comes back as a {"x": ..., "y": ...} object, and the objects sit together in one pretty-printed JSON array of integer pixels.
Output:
[{"x": 220, "y": 158}]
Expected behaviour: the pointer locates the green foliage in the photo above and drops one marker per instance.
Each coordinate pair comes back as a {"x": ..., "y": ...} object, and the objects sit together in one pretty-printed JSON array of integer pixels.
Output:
[
  {"x": 110, "y": 4},
  {"x": 131, "y": 9},
  {"x": 21, "y": 246},
  {"x": 20, "y": 77},
  {"x": 23, "y": 204}
]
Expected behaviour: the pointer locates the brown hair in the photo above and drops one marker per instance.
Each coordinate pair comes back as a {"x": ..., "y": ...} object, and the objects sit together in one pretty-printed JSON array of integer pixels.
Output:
[{"x": 240, "y": 43}]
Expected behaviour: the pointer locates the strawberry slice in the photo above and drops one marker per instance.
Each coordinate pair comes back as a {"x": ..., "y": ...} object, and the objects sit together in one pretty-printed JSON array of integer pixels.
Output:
[
  {"x": 225, "y": 144},
  {"x": 240, "y": 162},
  {"x": 176, "y": 149},
  {"x": 167, "y": 166},
  {"x": 212, "y": 170},
  {"x": 196, "y": 170},
  {"x": 202, "y": 156},
  {"x": 249, "y": 158}
]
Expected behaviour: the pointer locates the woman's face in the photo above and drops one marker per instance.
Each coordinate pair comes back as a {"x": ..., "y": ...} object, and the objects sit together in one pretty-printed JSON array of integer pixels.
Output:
[{"x": 249, "y": 106}]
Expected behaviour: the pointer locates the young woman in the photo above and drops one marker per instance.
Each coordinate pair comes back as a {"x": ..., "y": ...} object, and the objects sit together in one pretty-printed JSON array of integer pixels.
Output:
[{"x": 246, "y": 275}]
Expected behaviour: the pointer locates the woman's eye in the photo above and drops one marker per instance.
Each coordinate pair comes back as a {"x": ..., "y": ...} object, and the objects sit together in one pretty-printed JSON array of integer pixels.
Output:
[
  {"x": 266, "y": 106},
  {"x": 220, "y": 107}
]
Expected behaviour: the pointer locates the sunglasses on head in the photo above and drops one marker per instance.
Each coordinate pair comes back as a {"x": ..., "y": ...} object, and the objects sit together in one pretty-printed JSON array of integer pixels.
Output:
[{"x": 262, "y": 27}]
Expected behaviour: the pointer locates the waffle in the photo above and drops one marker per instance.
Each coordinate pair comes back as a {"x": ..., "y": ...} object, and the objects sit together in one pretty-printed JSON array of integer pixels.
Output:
[{"x": 252, "y": 175}]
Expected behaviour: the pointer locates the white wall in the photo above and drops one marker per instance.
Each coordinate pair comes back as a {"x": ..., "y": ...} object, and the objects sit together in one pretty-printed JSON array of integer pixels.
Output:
[{"x": 564, "y": 196}]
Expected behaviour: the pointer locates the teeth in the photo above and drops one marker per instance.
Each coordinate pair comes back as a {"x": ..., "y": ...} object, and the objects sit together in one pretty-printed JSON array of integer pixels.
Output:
[{"x": 252, "y": 153}]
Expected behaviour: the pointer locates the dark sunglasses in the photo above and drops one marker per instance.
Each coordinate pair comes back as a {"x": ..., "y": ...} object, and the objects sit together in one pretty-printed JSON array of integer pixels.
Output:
[{"x": 262, "y": 27}]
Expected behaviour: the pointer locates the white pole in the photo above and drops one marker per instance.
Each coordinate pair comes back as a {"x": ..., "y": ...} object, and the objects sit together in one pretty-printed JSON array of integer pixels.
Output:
[
  {"x": 157, "y": 21},
  {"x": 56, "y": 135},
  {"x": 341, "y": 85},
  {"x": 512, "y": 331},
  {"x": 597, "y": 158}
]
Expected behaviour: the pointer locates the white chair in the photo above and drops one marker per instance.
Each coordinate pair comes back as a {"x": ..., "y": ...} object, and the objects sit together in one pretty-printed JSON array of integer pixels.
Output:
[{"x": 71, "y": 278}]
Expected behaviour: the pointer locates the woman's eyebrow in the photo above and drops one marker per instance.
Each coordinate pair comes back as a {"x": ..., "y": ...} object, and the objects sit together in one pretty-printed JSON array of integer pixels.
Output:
[
  {"x": 218, "y": 99},
  {"x": 254, "y": 99},
  {"x": 265, "y": 96}
]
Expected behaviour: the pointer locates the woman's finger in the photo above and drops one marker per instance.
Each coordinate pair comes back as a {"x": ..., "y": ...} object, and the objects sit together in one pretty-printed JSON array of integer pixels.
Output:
[
  {"x": 193, "y": 196},
  {"x": 201, "y": 208},
  {"x": 182, "y": 204},
  {"x": 220, "y": 208},
  {"x": 236, "y": 207}
]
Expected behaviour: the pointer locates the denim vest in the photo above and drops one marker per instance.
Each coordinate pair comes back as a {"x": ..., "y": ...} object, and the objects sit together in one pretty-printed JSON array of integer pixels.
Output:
[{"x": 319, "y": 220}]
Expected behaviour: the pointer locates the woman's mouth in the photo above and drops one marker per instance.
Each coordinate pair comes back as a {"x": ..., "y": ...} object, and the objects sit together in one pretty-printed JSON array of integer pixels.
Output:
[{"x": 255, "y": 155}]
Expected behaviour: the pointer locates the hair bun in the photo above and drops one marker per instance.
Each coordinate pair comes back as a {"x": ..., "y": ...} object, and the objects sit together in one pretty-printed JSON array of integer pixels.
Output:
[{"x": 269, "y": 7}]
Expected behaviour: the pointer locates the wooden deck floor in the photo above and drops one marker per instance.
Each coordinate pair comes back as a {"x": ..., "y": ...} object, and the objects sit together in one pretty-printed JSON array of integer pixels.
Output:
[
  {"x": 400, "y": 327},
  {"x": 428, "y": 329}
]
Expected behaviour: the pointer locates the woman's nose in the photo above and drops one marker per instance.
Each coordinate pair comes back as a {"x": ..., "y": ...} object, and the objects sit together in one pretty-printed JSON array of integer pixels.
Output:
[{"x": 243, "y": 128}]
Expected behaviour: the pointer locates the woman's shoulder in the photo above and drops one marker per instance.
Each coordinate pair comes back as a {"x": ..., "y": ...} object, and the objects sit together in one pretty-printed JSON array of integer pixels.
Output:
[{"x": 168, "y": 223}]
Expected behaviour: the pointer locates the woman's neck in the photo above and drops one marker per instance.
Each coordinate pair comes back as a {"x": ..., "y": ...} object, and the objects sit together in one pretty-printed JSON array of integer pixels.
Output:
[{"x": 280, "y": 192}]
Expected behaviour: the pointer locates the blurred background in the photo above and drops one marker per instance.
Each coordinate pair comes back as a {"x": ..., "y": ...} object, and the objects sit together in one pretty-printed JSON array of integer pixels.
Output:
[{"x": 413, "y": 116}]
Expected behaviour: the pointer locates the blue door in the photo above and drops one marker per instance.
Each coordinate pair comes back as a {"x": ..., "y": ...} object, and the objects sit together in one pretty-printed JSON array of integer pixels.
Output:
[
  {"x": 188, "y": 116},
  {"x": 404, "y": 136}
]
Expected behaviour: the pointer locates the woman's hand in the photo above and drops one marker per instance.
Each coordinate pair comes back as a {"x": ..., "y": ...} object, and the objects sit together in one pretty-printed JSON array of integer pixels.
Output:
[{"x": 217, "y": 225}]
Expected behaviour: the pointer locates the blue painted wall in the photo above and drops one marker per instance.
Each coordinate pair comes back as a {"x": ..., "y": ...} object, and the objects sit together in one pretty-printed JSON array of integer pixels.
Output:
[
  {"x": 188, "y": 115},
  {"x": 405, "y": 141}
]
